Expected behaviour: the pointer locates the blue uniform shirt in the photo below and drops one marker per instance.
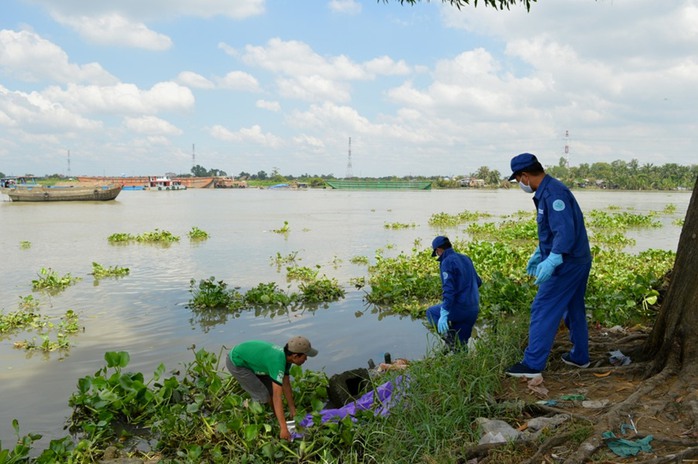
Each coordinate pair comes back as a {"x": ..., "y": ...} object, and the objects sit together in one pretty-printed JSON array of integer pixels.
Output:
[
  {"x": 560, "y": 223},
  {"x": 460, "y": 283}
]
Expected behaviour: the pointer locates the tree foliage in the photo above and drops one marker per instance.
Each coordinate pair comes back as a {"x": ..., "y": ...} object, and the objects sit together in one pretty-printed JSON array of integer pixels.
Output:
[{"x": 497, "y": 4}]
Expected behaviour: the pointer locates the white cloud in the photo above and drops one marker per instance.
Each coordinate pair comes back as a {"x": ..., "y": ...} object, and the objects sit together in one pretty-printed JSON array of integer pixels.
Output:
[
  {"x": 252, "y": 134},
  {"x": 192, "y": 79},
  {"x": 238, "y": 80},
  {"x": 122, "y": 98},
  {"x": 351, "y": 7},
  {"x": 268, "y": 105},
  {"x": 29, "y": 57},
  {"x": 115, "y": 29},
  {"x": 309, "y": 143},
  {"x": 34, "y": 112},
  {"x": 151, "y": 125}
]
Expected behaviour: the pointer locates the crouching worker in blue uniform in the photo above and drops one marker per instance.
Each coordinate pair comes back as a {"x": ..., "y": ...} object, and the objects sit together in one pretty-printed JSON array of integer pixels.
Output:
[
  {"x": 560, "y": 264},
  {"x": 455, "y": 316}
]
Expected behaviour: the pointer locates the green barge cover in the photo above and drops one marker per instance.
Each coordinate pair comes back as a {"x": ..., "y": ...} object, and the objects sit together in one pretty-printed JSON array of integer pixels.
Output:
[{"x": 376, "y": 184}]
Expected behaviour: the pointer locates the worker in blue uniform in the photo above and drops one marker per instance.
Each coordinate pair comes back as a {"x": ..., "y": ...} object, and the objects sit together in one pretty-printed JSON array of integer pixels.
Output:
[
  {"x": 561, "y": 264},
  {"x": 455, "y": 316}
]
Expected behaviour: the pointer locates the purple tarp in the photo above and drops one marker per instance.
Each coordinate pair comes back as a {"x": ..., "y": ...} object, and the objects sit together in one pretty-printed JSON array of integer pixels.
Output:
[{"x": 387, "y": 395}]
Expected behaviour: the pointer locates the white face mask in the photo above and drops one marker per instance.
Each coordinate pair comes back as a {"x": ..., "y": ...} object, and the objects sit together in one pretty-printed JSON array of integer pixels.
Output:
[{"x": 525, "y": 188}]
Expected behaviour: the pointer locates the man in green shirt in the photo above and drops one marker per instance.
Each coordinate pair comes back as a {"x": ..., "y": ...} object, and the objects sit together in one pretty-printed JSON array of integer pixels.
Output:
[{"x": 262, "y": 369}]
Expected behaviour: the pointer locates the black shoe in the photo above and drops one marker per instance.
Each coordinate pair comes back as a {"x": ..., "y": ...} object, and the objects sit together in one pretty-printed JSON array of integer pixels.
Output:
[
  {"x": 566, "y": 359},
  {"x": 522, "y": 370}
]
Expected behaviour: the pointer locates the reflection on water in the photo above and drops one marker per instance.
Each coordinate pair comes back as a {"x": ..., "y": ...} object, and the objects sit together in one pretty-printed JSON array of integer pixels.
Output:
[{"x": 146, "y": 313}]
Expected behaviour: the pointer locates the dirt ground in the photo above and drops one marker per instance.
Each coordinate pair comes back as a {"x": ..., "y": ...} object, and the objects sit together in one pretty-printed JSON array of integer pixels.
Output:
[{"x": 599, "y": 395}]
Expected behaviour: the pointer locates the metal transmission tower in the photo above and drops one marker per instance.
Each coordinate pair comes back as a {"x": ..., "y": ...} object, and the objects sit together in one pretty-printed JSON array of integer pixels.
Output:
[
  {"x": 68, "y": 163},
  {"x": 193, "y": 156},
  {"x": 567, "y": 148},
  {"x": 350, "y": 174}
]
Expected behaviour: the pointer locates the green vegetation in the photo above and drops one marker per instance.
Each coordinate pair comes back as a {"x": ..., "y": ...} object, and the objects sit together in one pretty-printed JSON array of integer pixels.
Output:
[
  {"x": 617, "y": 294},
  {"x": 398, "y": 225},
  {"x": 50, "y": 281},
  {"x": 201, "y": 414},
  {"x": 359, "y": 260},
  {"x": 283, "y": 229},
  {"x": 29, "y": 318},
  {"x": 212, "y": 294},
  {"x": 25, "y": 244},
  {"x": 443, "y": 220},
  {"x": 100, "y": 271},
  {"x": 196, "y": 234},
  {"x": 157, "y": 236}
]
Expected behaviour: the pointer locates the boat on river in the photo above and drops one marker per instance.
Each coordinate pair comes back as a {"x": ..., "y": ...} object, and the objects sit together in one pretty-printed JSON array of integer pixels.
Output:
[
  {"x": 165, "y": 183},
  {"x": 142, "y": 182},
  {"x": 378, "y": 184},
  {"x": 41, "y": 193}
]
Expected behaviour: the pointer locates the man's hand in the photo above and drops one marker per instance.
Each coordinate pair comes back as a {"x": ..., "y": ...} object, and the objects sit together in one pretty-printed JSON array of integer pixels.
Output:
[
  {"x": 442, "y": 326},
  {"x": 547, "y": 267},
  {"x": 533, "y": 262}
]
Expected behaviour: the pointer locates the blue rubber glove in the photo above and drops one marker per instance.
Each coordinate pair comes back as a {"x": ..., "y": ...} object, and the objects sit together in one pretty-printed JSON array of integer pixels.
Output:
[
  {"x": 533, "y": 262},
  {"x": 545, "y": 269},
  {"x": 442, "y": 326}
]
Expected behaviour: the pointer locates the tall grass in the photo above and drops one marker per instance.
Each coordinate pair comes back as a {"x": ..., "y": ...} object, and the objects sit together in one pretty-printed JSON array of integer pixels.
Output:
[{"x": 434, "y": 419}]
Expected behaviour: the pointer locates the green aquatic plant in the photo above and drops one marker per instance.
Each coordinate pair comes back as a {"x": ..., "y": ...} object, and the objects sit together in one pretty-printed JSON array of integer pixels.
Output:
[
  {"x": 99, "y": 271},
  {"x": 196, "y": 234},
  {"x": 441, "y": 220},
  {"x": 398, "y": 225},
  {"x": 26, "y": 316},
  {"x": 51, "y": 281},
  {"x": 359, "y": 260},
  {"x": 157, "y": 236},
  {"x": 269, "y": 294},
  {"x": 670, "y": 208},
  {"x": 25, "y": 244},
  {"x": 283, "y": 229},
  {"x": 68, "y": 325},
  {"x": 280, "y": 260},
  {"x": 121, "y": 237},
  {"x": 597, "y": 219},
  {"x": 507, "y": 231},
  {"x": 211, "y": 294},
  {"x": 321, "y": 290},
  {"x": 302, "y": 273}
]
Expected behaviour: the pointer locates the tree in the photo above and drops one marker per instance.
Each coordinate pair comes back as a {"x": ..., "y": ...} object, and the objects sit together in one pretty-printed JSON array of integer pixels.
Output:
[
  {"x": 501, "y": 4},
  {"x": 669, "y": 355}
]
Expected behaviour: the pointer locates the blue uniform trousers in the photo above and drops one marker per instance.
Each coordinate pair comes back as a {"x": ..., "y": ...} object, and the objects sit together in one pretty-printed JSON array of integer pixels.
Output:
[
  {"x": 561, "y": 296},
  {"x": 463, "y": 328}
]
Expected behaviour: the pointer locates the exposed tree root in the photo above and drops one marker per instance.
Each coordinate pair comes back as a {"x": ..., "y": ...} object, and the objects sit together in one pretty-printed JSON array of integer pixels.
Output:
[{"x": 672, "y": 458}]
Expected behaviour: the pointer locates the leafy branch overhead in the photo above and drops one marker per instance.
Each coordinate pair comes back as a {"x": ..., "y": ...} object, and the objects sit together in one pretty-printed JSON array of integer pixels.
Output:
[{"x": 501, "y": 4}]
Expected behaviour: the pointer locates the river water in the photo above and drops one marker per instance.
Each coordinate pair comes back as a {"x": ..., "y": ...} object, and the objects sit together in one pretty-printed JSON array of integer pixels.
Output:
[{"x": 146, "y": 313}]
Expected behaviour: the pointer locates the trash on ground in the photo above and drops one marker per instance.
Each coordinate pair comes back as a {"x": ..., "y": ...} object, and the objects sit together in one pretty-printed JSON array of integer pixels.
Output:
[
  {"x": 626, "y": 448},
  {"x": 573, "y": 397},
  {"x": 539, "y": 423},
  {"x": 617, "y": 358},
  {"x": 496, "y": 431},
  {"x": 537, "y": 387},
  {"x": 595, "y": 404}
]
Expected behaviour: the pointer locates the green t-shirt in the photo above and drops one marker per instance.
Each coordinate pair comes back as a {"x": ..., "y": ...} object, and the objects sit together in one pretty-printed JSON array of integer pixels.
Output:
[{"x": 262, "y": 358}]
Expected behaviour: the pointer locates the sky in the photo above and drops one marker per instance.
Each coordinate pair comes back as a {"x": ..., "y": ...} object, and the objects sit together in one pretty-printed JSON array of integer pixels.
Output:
[{"x": 343, "y": 87}]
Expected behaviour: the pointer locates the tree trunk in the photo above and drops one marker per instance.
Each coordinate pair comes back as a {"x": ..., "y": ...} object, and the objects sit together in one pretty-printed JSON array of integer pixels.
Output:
[{"x": 675, "y": 331}]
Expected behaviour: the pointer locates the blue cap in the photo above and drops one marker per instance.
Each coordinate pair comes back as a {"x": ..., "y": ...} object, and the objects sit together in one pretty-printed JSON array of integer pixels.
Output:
[
  {"x": 521, "y": 162},
  {"x": 438, "y": 242}
]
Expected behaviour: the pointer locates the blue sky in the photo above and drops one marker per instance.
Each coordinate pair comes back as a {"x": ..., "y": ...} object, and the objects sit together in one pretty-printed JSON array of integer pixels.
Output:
[{"x": 148, "y": 87}]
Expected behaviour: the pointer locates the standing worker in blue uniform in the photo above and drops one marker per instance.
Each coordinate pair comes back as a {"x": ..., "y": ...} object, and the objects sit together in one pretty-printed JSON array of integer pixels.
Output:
[
  {"x": 455, "y": 316},
  {"x": 561, "y": 264}
]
